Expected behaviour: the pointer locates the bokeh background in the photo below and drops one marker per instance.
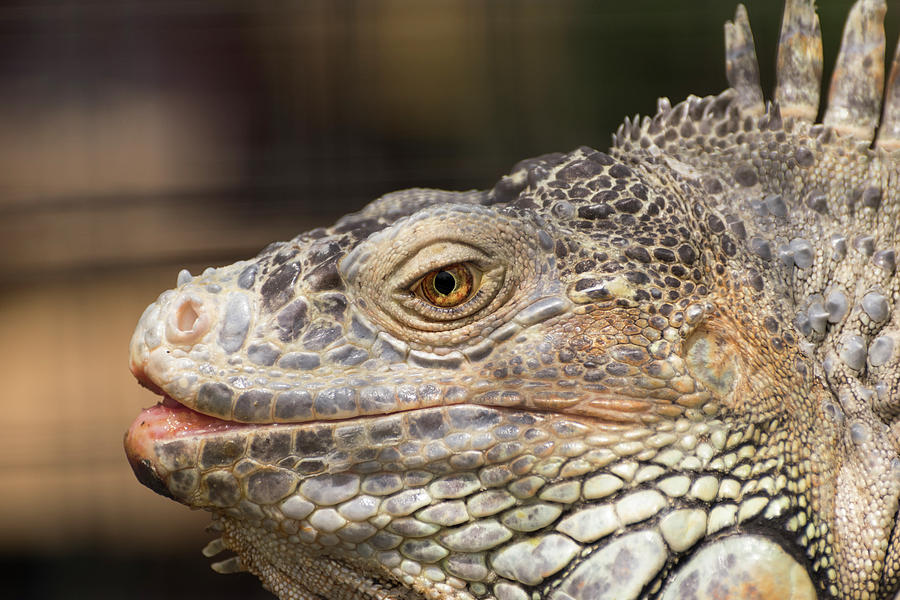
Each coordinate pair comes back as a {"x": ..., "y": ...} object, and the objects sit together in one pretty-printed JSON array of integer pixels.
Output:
[{"x": 137, "y": 138}]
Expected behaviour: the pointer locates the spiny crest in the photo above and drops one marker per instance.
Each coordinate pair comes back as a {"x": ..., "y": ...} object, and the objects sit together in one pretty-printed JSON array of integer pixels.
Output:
[{"x": 854, "y": 107}]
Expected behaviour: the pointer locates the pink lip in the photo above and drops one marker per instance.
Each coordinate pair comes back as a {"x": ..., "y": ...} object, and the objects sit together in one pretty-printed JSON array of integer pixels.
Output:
[{"x": 170, "y": 419}]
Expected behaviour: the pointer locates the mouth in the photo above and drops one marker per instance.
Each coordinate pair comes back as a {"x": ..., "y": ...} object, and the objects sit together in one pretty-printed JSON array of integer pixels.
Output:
[{"x": 169, "y": 419}]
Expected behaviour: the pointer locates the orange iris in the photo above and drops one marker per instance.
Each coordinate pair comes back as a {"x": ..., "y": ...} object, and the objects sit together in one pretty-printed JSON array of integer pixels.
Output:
[{"x": 448, "y": 286}]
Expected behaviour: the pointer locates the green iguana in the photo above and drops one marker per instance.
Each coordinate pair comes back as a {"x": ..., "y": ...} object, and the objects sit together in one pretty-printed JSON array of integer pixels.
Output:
[{"x": 665, "y": 371}]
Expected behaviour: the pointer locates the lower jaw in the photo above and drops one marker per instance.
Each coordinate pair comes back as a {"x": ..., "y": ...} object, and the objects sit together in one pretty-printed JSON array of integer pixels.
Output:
[{"x": 167, "y": 420}]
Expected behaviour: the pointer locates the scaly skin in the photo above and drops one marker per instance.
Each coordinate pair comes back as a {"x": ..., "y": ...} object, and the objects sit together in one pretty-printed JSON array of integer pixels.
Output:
[{"x": 665, "y": 371}]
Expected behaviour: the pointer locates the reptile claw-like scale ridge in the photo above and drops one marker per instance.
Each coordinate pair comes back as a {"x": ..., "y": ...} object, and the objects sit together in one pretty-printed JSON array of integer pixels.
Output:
[{"x": 668, "y": 370}]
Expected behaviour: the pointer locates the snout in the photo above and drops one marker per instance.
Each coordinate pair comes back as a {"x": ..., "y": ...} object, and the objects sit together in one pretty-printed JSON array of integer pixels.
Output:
[{"x": 175, "y": 330}]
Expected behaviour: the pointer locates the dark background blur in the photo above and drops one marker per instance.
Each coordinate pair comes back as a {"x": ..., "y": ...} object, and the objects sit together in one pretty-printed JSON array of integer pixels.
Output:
[{"x": 137, "y": 138}]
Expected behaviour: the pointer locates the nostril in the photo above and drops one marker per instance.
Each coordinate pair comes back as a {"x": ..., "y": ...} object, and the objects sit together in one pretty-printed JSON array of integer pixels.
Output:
[
  {"x": 186, "y": 317},
  {"x": 188, "y": 320}
]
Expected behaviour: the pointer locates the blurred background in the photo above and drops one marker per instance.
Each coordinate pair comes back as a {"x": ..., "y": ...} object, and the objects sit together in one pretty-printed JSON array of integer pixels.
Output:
[{"x": 137, "y": 138}]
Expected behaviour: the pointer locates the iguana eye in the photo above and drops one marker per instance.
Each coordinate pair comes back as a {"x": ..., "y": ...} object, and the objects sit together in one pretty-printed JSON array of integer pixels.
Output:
[
  {"x": 448, "y": 286},
  {"x": 424, "y": 282}
]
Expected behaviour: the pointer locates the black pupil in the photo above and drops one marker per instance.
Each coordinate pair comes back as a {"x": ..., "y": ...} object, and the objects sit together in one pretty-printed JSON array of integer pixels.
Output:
[{"x": 444, "y": 282}]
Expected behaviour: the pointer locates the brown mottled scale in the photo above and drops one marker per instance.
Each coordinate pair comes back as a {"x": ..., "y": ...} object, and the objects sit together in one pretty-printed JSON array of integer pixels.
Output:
[{"x": 670, "y": 370}]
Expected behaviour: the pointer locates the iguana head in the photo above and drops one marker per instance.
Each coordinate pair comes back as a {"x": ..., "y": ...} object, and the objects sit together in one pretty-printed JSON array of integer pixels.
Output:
[
  {"x": 666, "y": 368},
  {"x": 565, "y": 289}
]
